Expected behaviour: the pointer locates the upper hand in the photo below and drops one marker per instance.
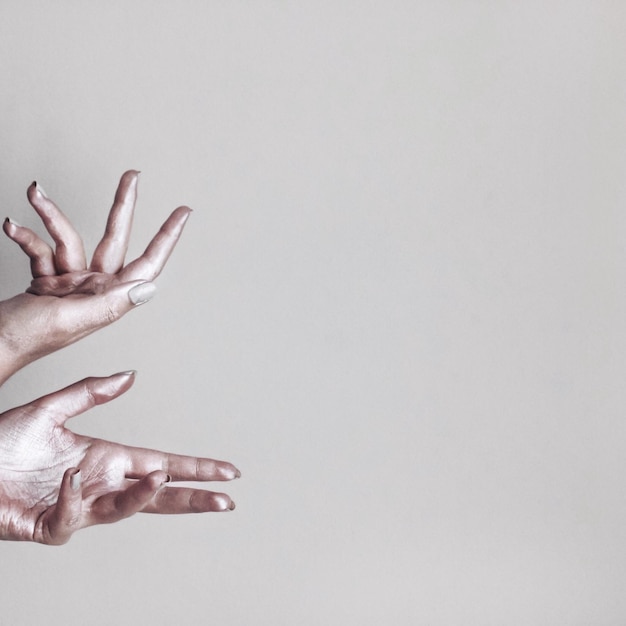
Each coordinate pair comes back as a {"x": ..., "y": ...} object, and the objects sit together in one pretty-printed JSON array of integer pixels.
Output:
[
  {"x": 54, "y": 482},
  {"x": 69, "y": 298}
]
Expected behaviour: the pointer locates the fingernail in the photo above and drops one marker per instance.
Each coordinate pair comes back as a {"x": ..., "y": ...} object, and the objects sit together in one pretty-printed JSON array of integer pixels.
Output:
[
  {"x": 39, "y": 189},
  {"x": 12, "y": 222},
  {"x": 232, "y": 506},
  {"x": 127, "y": 373},
  {"x": 10, "y": 227},
  {"x": 75, "y": 480},
  {"x": 237, "y": 474},
  {"x": 142, "y": 293},
  {"x": 168, "y": 479}
]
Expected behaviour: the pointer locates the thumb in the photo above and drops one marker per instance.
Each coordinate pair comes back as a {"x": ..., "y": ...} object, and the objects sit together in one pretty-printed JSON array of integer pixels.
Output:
[
  {"x": 82, "y": 396},
  {"x": 83, "y": 315},
  {"x": 116, "y": 301}
]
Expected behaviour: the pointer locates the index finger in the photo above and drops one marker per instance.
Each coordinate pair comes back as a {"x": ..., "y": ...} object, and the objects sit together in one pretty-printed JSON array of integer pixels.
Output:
[{"x": 150, "y": 264}]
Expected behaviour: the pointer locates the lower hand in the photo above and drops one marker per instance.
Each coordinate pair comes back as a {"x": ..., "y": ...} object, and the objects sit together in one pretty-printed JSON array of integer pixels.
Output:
[{"x": 54, "y": 482}]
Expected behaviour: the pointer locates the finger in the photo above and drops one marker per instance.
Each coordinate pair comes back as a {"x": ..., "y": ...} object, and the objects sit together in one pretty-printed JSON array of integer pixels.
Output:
[
  {"x": 83, "y": 282},
  {"x": 76, "y": 316},
  {"x": 40, "y": 253},
  {"x": 65, "y": 517},
  {"x": 116, "y": 506},
  {"x": 150, "y": 264},
  {"x": 180, "y": 500},
  {"x": 142, "y": 461},
  {"x": 70, "y": 254},
  {"x": 84, "y": 395},
  {"x": 110, "y": 252}
]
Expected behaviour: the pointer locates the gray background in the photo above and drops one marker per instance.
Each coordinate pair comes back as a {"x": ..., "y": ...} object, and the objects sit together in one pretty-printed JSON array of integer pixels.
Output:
[{"x": 399, "y": 304}]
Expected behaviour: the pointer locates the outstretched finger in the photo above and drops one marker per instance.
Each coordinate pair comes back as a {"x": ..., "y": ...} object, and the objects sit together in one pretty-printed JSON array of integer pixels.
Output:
[
  {"x": 65, "y": 517},
  {"x": 70, "y": 253},
  {"x": 40, "y": 253},
  {"x": 114, "y": 507},
  {"x": 83, "y": 395},
  {"x": 142, "y": 461},
  {"x": 110, "y": 252},
  {"x": 150, "y": 264},
  {"x": 180, "y": 500}
]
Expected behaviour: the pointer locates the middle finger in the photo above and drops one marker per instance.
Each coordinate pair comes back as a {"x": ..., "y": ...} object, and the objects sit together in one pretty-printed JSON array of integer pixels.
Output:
[{"x": 110, "y": 252}]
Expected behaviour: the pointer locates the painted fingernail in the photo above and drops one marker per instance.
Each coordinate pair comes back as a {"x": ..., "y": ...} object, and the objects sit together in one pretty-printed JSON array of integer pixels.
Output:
[
  {"x": 8, "y": 220},
  {"x": 127, "y": 373},
  {"x": 10, "y": 227},
  {"x": 232, "y": 506},
  {"x": 237, "y": 474},
  {"x": 168, "y": 479},
  {"x": 40, "y": 190},
  {"x": 75, "y": 480},
  {"x": 140, "y": 294}
]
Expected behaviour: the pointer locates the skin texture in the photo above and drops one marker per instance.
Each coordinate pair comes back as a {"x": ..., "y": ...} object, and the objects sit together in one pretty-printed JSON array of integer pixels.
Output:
[
  {"x": 69, "y": 298},
  {"x": 54, "y": 482}
]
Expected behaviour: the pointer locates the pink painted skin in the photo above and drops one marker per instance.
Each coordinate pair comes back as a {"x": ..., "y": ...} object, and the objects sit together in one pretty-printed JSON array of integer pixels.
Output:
[
  {"x": 69, "y": 298},
  {"x": 54, "y": 482}
]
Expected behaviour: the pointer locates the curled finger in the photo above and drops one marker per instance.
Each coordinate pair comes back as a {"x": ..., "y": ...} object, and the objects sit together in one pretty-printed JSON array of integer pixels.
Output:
[
  {"x": 116, "y": 506},
  {"x": 65, "y": 517},
  {"x": 70, "y": 253},
  {"x": 38, "y": 251}
]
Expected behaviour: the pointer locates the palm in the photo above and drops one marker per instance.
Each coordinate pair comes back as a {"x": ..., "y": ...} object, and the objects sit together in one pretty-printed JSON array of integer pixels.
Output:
[{"x": 36, "y": 450}]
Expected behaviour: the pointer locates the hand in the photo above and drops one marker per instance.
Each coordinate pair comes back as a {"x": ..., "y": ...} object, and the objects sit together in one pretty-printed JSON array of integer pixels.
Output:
[
  {"x": 67, "y": 298},
  {"x": 54, "y": 482}
]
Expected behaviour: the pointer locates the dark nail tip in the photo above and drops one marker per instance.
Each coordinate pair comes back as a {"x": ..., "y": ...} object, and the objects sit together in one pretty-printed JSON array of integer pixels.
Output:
[
  {"x": 237, "y": 474},
  {"x": 232, "y": 506}
]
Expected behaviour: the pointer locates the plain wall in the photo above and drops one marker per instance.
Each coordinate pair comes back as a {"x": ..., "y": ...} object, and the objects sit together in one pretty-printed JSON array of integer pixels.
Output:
[{"x": 399, "y": 304}]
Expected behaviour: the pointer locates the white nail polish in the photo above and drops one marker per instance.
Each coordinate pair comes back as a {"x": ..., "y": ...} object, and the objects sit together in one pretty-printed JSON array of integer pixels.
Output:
[
  {"x": 142, "y": 293},
  {"x": 75, "y": 481}
]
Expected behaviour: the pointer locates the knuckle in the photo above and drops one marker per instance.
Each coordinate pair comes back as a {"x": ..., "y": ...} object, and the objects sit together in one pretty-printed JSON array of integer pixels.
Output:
[{"x": 110, "y": 315}]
